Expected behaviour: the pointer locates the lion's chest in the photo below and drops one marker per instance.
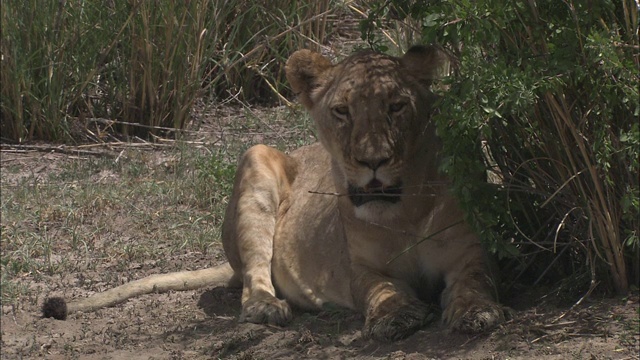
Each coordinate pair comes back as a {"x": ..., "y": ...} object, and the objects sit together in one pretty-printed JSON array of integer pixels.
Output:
[{"x": 426, "y": 246}]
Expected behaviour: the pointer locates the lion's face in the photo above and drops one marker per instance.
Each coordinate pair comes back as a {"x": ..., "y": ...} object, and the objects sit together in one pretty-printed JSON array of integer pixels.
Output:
[{"x": 371, "y": 111}]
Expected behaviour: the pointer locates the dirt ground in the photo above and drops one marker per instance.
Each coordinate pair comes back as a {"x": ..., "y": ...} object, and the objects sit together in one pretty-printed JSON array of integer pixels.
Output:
[{"x": 203, "y": 324}]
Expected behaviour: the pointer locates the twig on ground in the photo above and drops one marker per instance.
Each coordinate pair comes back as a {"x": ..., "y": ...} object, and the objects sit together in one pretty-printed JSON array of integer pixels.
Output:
[{"x": 56, "y": 149}]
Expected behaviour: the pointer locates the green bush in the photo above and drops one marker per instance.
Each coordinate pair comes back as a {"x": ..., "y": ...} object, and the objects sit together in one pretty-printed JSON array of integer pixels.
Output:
[
  {"x": 549, "y": 92},
  {"x": 141, "y": 62}
]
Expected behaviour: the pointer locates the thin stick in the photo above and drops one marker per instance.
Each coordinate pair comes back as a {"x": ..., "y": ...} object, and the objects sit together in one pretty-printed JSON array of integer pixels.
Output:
[
  {"x": 424, "y": 239},
  {"x": 57, "y": 149}
]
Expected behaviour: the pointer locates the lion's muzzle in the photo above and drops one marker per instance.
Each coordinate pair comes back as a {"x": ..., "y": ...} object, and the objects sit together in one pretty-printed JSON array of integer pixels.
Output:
[{"x": 374, "y": 191}]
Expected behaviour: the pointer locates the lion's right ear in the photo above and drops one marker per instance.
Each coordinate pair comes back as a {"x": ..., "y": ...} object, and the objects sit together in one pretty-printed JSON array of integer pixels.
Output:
[
  {"x": 427, "y": 63},
  {"x": 304, "y": 69}
]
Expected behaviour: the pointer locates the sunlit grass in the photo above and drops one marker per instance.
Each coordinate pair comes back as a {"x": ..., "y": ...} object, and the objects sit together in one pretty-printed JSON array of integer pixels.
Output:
[{"x": 137, "y": 205}]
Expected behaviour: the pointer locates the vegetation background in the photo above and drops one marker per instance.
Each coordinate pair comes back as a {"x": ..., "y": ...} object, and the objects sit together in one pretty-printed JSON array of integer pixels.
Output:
[
  {"x": 548, "y": 93},
  {"x": 541, "y": 99}
]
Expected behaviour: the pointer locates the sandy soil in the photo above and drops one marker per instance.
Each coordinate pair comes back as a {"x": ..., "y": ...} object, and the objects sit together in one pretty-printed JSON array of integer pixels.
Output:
[{"x": 203, "y": 325}]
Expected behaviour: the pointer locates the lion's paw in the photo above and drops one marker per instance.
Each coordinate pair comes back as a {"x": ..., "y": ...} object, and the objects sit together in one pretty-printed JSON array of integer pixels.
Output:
[
  {"x": 478, "y": 318},
  {"x": 266, "y": 309},
  {"x": 398, "y": 323}
]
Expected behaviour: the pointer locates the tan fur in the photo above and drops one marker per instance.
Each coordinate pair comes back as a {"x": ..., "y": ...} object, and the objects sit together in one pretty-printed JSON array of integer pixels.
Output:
[
  {"x": 286, "y": 241},
  {"x": 299, "y": 230}
]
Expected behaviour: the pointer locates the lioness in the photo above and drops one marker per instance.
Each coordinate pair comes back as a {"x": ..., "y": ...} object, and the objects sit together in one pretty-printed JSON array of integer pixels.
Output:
[{"x": 359, "y": 220}]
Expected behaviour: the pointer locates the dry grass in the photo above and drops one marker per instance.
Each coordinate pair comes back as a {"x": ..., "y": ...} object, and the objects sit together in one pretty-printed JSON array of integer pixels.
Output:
[
  {"x": 71, "y": 62},
  {"x": 126, "y": 204}
]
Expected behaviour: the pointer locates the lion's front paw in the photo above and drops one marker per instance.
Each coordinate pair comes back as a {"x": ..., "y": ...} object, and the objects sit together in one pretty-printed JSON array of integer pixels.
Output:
[
  {"x": 476, "y": 318},
  {"x": 398, "y": 323},
  {"x": 266, "y": 309}
]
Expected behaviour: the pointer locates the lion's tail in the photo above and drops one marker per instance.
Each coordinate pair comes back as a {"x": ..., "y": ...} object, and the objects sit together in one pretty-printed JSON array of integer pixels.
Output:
[{"x": 221, "y": 275}]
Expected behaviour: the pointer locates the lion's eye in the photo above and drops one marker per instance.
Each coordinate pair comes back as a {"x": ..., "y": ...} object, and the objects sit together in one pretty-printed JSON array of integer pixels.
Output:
[
  {"x": 341, "y": 112},
  {"x": 397, "y": 107}
]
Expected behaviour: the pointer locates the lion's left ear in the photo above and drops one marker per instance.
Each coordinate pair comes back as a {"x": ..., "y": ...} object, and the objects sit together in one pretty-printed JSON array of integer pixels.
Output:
[
  {"x": 427, "y": 63},
  {"x": 304, "y": 69}
]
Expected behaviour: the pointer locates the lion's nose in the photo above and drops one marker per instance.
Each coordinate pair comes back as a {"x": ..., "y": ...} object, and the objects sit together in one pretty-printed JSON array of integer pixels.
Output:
[{"x": 373, "y": 163}]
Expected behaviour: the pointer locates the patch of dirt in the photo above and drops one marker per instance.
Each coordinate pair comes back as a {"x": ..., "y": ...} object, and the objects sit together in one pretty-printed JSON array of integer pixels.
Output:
[
  {"x": 203, "y": 324},
  {"x": 18, "y": 165}
]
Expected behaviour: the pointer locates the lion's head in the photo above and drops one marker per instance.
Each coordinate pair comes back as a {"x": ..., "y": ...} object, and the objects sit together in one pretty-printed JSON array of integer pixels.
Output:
[{"x": 372, "y": 112}]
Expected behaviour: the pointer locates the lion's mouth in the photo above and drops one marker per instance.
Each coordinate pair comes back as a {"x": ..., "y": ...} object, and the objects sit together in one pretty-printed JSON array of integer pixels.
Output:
[{"x": 374, "y": 191}]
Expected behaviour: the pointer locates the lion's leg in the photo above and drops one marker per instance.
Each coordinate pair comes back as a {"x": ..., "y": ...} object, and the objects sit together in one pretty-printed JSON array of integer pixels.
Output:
[
  {"x": 261, "y": 186},
  {"x": 468, "y": 300},
  {"x": 391, "y": 309}
]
